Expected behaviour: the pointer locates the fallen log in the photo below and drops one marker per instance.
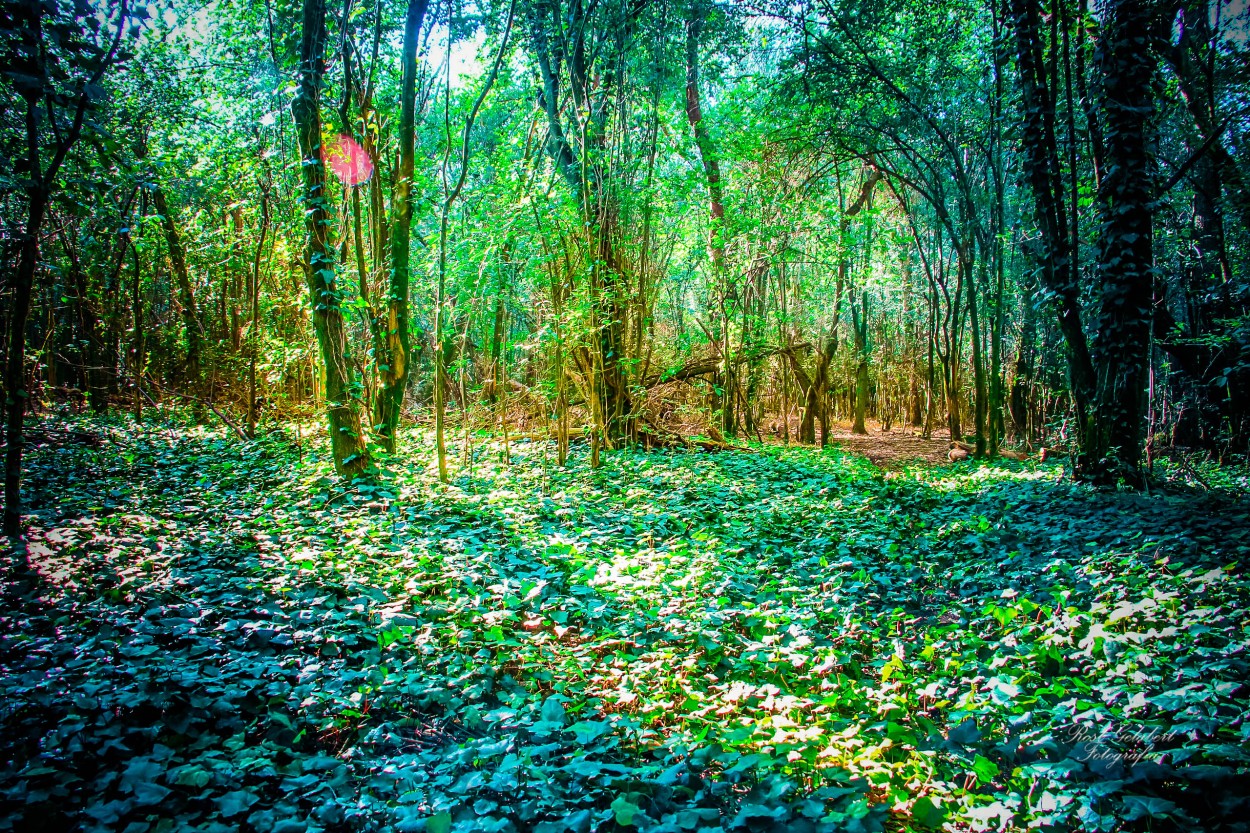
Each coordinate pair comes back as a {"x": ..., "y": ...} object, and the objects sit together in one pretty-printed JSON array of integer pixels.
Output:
[{"x": 711, "y": 365}]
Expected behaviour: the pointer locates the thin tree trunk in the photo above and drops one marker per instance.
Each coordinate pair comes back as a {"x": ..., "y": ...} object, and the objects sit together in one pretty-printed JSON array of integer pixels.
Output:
[
  {"x": 586, "y": 175},
  {"x": 707, "y": 151},
  {"x": 859, "y": 320},
  {"x": 27, "y": 56},
  {"x": 15, "y": 367},
  {"x": 190, "y": 314},
  {"x": 978, "y": 360},
  {"x": 393, "y": 360},
  {"x": 136, "y": 369},
  {"x": 253, "y": 295}
]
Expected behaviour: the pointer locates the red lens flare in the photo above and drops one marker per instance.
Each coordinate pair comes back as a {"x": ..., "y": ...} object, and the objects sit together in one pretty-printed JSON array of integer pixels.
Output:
[{"x": 349, "y": 161}]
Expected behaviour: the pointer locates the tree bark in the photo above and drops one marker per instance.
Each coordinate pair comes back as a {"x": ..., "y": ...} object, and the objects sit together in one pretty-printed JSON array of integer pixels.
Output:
[
  {"x": 814, "y": 388},
  {"x": 1126, "y": 71},
  {"x": 859, "y": 319}
]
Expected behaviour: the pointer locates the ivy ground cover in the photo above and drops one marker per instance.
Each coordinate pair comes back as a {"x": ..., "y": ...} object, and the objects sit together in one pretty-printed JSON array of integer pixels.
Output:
[{"x": 224, "y": 637}]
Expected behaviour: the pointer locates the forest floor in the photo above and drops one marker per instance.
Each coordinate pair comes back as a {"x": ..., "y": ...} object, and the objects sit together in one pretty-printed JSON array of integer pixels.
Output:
[
  {"x": 893, "y": 448},
  {"x": 888, "y": 449},
  {"x": 225, "y": 637}
]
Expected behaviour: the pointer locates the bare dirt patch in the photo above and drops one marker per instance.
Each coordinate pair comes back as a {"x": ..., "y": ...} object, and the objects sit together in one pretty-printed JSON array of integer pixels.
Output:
[{"x": 888, "y": 449}]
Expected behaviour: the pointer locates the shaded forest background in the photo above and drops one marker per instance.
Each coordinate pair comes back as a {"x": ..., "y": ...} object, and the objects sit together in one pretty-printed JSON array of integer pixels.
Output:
[{"x": 1016, "y": 224}]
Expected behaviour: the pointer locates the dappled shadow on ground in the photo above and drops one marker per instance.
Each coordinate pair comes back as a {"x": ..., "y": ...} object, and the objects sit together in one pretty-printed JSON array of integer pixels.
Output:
[{"x": 785, "y": 640}]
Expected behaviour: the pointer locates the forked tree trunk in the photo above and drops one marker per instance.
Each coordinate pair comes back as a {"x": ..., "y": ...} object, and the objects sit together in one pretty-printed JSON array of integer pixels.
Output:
[{"x": 27, "y": 58}]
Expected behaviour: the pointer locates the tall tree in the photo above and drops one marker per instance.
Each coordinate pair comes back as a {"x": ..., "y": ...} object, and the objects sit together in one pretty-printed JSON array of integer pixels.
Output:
[
  {"x": 41, "y": 52},
  {"x": 1056, "y": 249},
  {"x": 580, "y": 50},
  {"x": 1126, "y": 73},
  {"x": 393, "y": 358},
  {"x": 695, "y": 20},
  {"x": 342, "y": 388},
  {"x": 1211, "y": 380}
]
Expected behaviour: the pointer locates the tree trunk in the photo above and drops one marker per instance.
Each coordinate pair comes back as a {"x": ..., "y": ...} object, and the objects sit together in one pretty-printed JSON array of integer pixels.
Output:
[
  {"x": 814, "y": 388},
  {"x": 1042, "y": 168},
  {"x": 1216, "y": 412},
  {"x": 27, "y": 58},
  {"x": 190, "y": 315},
  {"x": 978, "y": 360},
  {"x": 707, "y": 151},
  {"x": 586, "y": 175},
  {"x": 1022, "y": 368},
  {"x": 716, "y": 213},
  {"x": 341, "y": 387},
  {"x": 15, "y": 366},
  {"x": 253, "y": 302},
  {"x": 393, "y": 360},
  {"x": 498, "y": 339},
  {"x": 1126, "y": 65},
  {"x": 859, "y": 319},
  {"x": 86, "y": 344},
  {"x": 137, "y": 316}
]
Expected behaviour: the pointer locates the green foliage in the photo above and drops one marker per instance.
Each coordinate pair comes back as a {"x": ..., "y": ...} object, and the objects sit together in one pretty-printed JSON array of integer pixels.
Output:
[{"x": 781, "y": 640}]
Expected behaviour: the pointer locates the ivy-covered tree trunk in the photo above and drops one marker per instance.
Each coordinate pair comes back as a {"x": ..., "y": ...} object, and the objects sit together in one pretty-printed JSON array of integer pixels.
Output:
[
  {"x": 815, "y": 388},
  {"x": 342, "y": 389},
  {"x": 1126, "y": 74},
  {"x": 393, "y": 358},
  {"x": 1042, "y": 170},
  {"x": 859, "y": 321}
]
